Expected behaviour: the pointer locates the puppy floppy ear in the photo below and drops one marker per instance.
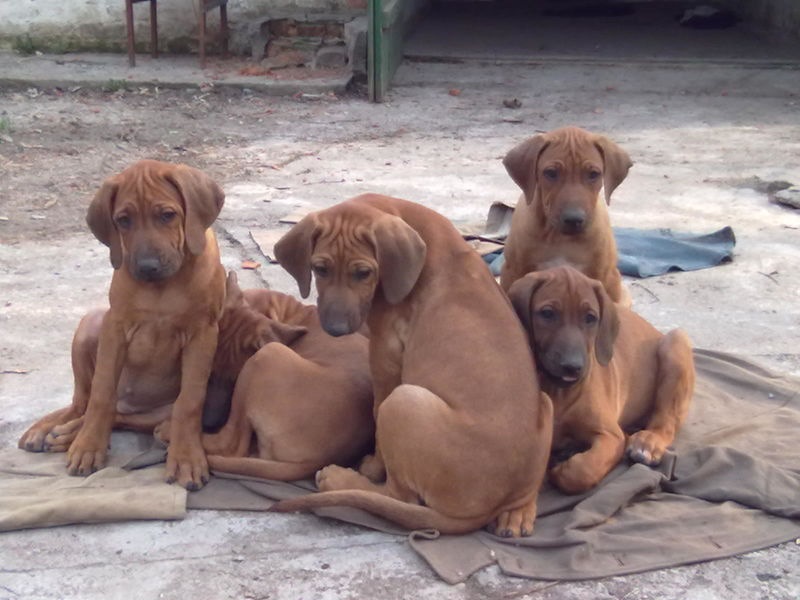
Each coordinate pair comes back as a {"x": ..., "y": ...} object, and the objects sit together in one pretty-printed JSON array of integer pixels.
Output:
[
  {"x": 100, "y": 220},
  {"x": 400, "y": 253},
  {"x": 233, "y": 293},
  {"x": 293, "y": 251},
  {"x": 608, "y": 328},
  {"x": 202, "y": 201},
  {"x": 616, "y": 164},
  {"x": 521, "y": 163},
  {"x": 521, "y": 295},
  {"x": 287, "y": 334}
]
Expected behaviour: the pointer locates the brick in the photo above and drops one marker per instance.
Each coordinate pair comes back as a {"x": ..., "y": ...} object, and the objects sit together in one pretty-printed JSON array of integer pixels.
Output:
[{"x": 331, "y": 57}]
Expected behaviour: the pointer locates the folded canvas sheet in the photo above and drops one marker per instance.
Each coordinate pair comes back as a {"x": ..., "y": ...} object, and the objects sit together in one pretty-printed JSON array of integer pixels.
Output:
[
  {"x": 731, "y": 485},
  {"x": 35, "y": 491}
]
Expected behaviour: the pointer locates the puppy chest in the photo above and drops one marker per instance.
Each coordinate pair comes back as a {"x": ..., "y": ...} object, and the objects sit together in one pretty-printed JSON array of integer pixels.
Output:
[{"x": 155, "y": 346}]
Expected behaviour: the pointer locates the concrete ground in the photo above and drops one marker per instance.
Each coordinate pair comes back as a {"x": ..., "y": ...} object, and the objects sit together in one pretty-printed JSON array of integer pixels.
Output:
[{"x": 706, "y": 142}]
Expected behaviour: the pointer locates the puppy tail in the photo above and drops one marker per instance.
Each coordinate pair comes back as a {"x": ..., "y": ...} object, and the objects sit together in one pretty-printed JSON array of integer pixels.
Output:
[
  {"x": 262, "y": 468},
  {"x": 410, "y": 516}
]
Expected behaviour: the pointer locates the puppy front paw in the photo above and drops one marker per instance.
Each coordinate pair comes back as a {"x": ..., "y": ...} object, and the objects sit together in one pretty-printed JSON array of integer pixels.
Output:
[
  {"x": 647, "y": 447},
  {"x": 85, "y": 456},
  {"x": 187, "y": 464}
]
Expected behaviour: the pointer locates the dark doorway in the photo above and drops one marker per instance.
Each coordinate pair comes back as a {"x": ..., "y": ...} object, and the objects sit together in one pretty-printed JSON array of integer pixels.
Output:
[{"x": 598, "y": 30}]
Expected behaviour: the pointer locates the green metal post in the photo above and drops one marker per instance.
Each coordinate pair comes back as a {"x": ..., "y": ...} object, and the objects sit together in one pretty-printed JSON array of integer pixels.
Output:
[{"x": 375, "y": 62}]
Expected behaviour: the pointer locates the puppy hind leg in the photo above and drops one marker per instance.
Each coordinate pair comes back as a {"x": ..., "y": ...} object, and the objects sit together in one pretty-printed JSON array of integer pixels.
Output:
[
  {"x": 372, "y": 466},
  {"x": 217, "y": 405},
  {"x": 675, "y": 386},
  {"x": 233, "y": 439},
  {"x": 256, "y": 381},
  {"x": 42, "y": 435},
  {"x": 517, "y": 522},
  {"x": 334, "y": 477},
  {"x": 144, "y": 422},
  {"x": 39, "y": 436},
  {"x": 405, "y": 440},
  {"x": 61, "y": 436}
]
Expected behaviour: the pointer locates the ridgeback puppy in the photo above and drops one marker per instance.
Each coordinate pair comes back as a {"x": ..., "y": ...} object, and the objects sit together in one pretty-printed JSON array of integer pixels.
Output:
[
  {"x": 156, "y": 342},
  {"x": 462, "y": 430},
  {"x": 244, "y": 328},
  {"x": 561, "y": 217},
  {"x": 617, "y": 384},
  {"x": 301, "y": 404},
  {"x": 242, "y": 332}
]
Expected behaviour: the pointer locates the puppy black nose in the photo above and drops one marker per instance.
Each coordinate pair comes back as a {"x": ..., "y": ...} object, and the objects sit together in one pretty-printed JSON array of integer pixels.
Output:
[
  {"x": 572, "y": 366},
  {"x": 336, "y": 328},
  {"x": 573, "y": 220},
  {"x": 148, "y": 268}
]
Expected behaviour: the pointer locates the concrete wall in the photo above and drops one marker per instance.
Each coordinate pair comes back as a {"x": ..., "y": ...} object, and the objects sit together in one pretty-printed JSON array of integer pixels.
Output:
[{"x": 68, "y": 25}]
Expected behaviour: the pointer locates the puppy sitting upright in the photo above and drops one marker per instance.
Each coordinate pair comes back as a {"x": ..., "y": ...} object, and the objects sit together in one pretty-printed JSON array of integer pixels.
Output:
[
  {"x": 242, "y": 332},
  {"x": 561, "y": 217},
  {"x": 608, "y": 372},
  {"x": 462, "y": 431},
  {"x": 158, "y": 339}
]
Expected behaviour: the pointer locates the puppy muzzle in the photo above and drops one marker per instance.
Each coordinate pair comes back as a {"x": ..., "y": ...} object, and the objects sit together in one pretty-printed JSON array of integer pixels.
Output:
[
  {"x": 565, "y": 369},
  {"x": 150, "y": 269},
  {"x": 572, "y": 221},
  {"x": 336, "y": 321}
]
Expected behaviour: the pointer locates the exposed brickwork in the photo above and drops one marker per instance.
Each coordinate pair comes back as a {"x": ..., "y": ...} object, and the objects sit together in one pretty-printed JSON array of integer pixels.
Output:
[{"x": 294, "y": 43}]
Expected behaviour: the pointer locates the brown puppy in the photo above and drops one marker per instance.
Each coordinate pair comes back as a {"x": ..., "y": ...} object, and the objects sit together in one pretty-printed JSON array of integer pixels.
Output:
[
  {"x": 242, "y": 331},
  {"x": 462, "y": 431},
  {"x": 608, "y": 372},
  {"x": 157, "y": 340},
  {"x": 303, "y": 404},
  {"x": 563, "y": 218}
]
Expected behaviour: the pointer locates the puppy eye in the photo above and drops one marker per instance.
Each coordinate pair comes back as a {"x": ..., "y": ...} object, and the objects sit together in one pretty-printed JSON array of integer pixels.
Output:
[
  {"x": 362, "y": 273},
  {"x": 123, "y": 221},
  {"x": 550, "y": 173},
  {"x": 594, "y": 175},
  {"x": 547, "y": 314},
  {"x": 168, "y": 216},
  {"x": 320, "y": 270},
  {"x": 590, "y": 319}
]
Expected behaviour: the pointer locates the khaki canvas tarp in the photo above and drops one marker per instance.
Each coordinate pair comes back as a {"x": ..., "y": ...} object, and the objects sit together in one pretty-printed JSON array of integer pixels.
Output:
[{"x": 731, "y": 485}]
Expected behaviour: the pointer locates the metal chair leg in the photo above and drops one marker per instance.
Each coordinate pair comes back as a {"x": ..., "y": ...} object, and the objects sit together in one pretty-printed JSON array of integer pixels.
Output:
[
  {"x": 129, "y": 29},
  {"x": 201, "y": 31},
  {"x": 223, "y": 24},
  {"x": 154, "y": 28}
]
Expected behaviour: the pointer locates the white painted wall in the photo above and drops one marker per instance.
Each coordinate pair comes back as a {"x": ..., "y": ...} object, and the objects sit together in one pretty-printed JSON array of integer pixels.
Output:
[{"x": 104, "y": 20}]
